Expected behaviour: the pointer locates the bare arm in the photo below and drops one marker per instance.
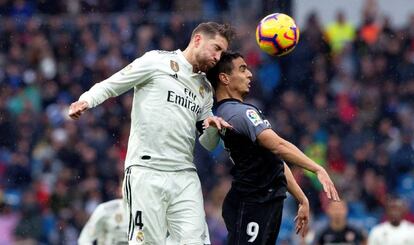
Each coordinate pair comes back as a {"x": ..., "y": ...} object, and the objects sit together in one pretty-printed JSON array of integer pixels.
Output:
[
  {"x": 290, "y": 153},
  {"x": 302, "y": 218}
]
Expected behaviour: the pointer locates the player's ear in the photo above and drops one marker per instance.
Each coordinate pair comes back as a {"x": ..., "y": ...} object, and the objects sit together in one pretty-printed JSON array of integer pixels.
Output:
[
  {"x": 224, "y": 78},
  {"x": 197, "y": 39}
]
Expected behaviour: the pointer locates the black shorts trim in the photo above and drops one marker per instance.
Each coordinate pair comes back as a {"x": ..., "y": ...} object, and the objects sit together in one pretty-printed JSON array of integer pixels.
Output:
[{"x": 129, "y": 201}]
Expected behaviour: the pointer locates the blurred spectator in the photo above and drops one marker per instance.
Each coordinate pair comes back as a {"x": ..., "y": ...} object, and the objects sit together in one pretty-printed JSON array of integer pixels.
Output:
[
  {"x": 352, "y": 111},
  {"x": 9, "y": 219},
  {"x": 338, "y": 230},
  {"x": 395, "y": 230},
  {"x": 22, "y": 9},
  {"x": 29, "y": 229},
  {"x": 403, "y": 159},
  {"x": 340, "y": 33}
]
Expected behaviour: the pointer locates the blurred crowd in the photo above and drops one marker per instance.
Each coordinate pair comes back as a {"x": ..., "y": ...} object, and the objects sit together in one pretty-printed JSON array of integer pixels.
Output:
[{"x": 345, "y": 96}]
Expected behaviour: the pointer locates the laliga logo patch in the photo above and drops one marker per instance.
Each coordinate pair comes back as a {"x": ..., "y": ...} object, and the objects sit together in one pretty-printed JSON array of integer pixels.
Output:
[
  {"x": 254, "y": 117},
  {"x": 174, "y": 66},
  {"x": 201, "y": 91},
  {"x": 140, "y": 236}
]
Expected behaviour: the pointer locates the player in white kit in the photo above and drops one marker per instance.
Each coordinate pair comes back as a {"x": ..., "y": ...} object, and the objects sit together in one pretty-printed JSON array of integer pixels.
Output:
[
  {"x": 107, "y": 225},
  {"x": 395, "y": 230},
  {"x": 171, "y": 96}
]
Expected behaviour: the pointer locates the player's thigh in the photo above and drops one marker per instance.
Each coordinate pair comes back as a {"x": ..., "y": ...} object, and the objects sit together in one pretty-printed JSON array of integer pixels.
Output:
[
  {"x": 172, "y": 241},
  {"x": 230, "y": 210},
  {"x": 185, "y": 213},
  {"x": 257, "y": 223},
  {"x": 146, "y": 206}
]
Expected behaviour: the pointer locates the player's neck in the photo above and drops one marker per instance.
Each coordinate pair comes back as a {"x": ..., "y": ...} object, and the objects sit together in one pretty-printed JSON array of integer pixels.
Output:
[
  {"x": 190, "y": 57},
  {"x": 338, "y": 226},
  {"x": 395, "y": 223}
]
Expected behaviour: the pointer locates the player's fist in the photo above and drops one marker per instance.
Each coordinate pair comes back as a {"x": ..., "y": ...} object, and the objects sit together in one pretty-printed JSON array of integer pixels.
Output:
[{"x": 77, "y": 108}]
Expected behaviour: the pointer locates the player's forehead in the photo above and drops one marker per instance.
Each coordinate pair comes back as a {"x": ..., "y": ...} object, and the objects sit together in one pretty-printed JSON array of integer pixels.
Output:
[
  {"x": 218, "y": 40},
  {"x": 396, "y": 204},
  {"x": 238, "y": 63}
]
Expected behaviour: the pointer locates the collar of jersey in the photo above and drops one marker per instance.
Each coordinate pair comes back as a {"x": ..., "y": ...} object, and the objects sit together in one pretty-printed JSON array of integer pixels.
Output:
[
  {"x": 227, "y": 100},
  {"x": 187, "y": 64},
  {"x": 184, "y": 61}
]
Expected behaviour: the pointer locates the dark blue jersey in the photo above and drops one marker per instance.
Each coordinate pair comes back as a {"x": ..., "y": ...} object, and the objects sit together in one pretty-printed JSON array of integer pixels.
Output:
[{"x": 258, "y": 174}]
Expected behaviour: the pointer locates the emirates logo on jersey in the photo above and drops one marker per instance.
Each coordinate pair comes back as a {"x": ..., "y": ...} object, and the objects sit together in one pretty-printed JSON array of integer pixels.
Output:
[{"x": 174, "y": 66}]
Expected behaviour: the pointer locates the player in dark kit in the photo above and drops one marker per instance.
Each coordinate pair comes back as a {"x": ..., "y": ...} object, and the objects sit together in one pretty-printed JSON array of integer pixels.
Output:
[
  {"x": 338, "y": 231},
  {"x": 252, "y": 209}
]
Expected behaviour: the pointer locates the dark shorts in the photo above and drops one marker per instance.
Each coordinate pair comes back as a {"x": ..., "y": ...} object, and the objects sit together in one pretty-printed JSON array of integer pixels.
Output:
[{"x": 250, "y": 222}]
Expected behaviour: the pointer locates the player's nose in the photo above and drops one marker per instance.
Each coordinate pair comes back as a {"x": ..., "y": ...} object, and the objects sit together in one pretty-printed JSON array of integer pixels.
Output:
[
  {"x": 249, "y": 74},
  {"x": 217, "y": 57}
]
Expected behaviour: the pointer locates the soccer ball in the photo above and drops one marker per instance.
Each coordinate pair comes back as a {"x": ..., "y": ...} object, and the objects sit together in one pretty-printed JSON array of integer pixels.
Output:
[{"x": 277, "y": 34}]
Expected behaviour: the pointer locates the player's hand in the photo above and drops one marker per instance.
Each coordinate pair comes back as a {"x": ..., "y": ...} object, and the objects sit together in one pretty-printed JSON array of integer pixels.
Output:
[
  {"x": 328, "y": 186},
  {"x": 217, "y": 122},
  {"x": 302, "y": 219},
  {"x": 77, "y": 108}
]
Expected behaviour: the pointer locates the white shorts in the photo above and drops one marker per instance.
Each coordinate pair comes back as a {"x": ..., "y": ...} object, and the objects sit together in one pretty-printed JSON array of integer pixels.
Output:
[{"x": 158, "y": 202}]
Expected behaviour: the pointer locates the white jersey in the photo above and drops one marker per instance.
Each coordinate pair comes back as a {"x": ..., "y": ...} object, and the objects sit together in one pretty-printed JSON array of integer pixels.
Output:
[
  {"x": 108, "y": 225},
  {"x": 169, "y": 98},
  {"x": 386, "y": 234}
]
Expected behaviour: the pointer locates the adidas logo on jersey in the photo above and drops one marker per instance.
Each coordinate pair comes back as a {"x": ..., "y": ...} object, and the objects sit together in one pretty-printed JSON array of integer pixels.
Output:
[{"x": 175, "y": 76}]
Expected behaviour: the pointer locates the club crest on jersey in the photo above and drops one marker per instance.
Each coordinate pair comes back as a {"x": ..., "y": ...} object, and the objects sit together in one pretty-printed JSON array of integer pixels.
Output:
[
  {"x": 174, "y": 66},
  {"x": 201, "y": 91},
  {"x": 254, "y": 117},
  {"x": 140, "y": 236}
]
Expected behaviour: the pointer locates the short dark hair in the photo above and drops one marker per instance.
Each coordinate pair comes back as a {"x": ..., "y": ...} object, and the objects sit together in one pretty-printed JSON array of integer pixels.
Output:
[
  {"x": 212, "y": 28},
  {"x": 224, "y": 65}
]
